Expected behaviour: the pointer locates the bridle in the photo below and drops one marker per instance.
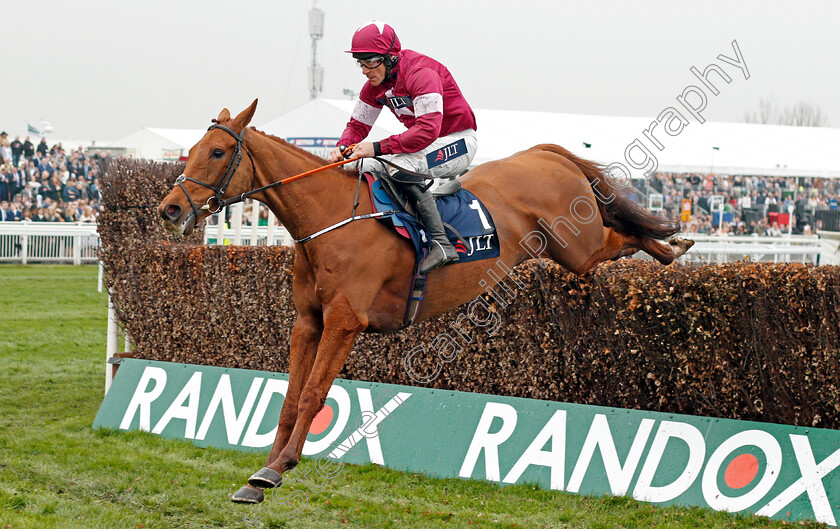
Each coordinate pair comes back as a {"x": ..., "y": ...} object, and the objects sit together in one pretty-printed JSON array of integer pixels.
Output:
[{"x": 221, "y": 186}]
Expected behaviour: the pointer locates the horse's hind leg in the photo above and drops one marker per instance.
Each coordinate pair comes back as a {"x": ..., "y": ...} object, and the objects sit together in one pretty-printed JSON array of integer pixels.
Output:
[
  {"x": 660, "y": 251},
  {"x": 617, "y": 245},
  {"x": 666, "y": 252}
]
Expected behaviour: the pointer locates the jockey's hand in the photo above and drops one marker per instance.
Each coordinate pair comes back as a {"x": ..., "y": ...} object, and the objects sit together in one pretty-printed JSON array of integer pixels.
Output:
[
  {"x": 363, "y": 150},
  {"x": 336, "y": 155}
]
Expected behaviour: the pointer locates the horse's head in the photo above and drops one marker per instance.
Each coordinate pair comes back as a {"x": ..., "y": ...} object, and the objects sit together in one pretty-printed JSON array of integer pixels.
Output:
[{"x": 215, "y": 171}]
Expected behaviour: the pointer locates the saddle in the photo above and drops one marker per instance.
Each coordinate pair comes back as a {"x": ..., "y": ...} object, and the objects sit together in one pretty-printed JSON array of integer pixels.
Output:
[
  {"x": 468, "y": 224},
  {"x": 449, "y": 188}
]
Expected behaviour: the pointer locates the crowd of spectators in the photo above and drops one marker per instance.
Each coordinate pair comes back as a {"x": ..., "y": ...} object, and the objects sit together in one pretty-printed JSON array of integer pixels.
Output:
[
  {"x": 39, "y": 182},
  {"x": 750, "y": 202},
  {"x": 44, "y": 183}
]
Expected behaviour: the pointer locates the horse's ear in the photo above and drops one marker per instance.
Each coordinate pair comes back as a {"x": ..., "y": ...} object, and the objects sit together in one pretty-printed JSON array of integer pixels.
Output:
[
  {"x": 245, "y": 116},
  {"x": 224, "y": 115}
]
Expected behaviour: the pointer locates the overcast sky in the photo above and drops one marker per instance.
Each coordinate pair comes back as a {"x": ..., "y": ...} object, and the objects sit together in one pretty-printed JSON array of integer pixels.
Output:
[{"x": 100, "y": 69}]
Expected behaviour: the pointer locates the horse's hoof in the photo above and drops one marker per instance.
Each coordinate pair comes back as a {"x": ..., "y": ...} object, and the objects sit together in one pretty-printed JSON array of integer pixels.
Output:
[
  {"x": 680, "y": 246},
  {"x": 265, "y": 478},
  {"x": 248, "y": 494}
]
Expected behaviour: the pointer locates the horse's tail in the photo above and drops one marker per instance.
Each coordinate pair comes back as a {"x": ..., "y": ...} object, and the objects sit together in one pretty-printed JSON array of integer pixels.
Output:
[{"x": 618, "y": 211}]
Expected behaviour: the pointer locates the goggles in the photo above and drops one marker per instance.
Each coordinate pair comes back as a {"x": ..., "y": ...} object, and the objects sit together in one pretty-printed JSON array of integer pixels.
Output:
[{"x": 370, "y": 63}]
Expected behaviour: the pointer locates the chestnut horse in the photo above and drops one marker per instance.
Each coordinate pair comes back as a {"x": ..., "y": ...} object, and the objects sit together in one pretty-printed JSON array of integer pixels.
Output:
[{"x": 357, "y": 278}]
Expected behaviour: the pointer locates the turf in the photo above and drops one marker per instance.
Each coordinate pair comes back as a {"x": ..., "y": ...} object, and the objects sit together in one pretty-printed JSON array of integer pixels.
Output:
[{"x": 56, "y": 471}]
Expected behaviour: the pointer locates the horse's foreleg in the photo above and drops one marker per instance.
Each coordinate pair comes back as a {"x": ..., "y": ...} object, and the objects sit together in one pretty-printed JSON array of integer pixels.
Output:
[
  {"x": 305, "y": 337},
  {"x": 341, "y": 327}
]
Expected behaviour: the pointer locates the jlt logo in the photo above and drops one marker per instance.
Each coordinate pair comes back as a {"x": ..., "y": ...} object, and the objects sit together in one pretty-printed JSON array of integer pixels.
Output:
[
  {"x": 450, "y": 151},
  {"x": 399, "y": 101},
  {"x": 446, "y": 153},
  {"x": 401, "y": 105},
  {"x": 479, "y": 243}
]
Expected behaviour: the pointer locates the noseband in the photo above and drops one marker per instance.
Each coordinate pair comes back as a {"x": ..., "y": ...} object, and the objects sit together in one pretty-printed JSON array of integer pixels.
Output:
[{"x": 219, "y": 187}]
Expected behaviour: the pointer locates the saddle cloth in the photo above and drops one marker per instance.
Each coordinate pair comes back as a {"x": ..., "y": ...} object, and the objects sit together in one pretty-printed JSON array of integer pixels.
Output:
[{"x": 462, "y": 213}]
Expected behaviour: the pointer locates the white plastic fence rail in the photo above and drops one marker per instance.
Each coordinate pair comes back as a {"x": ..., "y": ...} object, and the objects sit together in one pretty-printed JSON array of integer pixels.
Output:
[
  {"x": 247, "y": 235},
  {"x": 78, "y": 243},
  {"x": 48, "y": 242},
  {"x": 725, "y": 248}
]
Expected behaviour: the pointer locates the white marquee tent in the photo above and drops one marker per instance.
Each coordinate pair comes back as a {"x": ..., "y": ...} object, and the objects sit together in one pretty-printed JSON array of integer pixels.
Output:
[
  {"x": 733, "y": 148},
  {"x": 160, "y": 144}
]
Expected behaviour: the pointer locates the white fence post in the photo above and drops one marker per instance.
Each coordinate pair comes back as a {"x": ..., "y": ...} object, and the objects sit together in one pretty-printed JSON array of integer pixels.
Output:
[
  {"x": 77, "y": 250},
  {"x": 269, "y": 240},
  {"x": 255, "y": 221},
  {"x": 24, "y": 248},
  {"x": 220, "y": 228},
  {"x": 112, "y": 346},
  {"x": 236, "y": 223}
]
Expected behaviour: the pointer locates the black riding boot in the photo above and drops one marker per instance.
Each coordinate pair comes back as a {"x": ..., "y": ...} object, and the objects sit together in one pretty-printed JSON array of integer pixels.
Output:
[{"x": 441, "y": 252}]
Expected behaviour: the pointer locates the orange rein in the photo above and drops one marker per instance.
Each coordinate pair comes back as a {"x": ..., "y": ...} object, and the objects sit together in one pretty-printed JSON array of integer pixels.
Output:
[
  {"x": 317, "y": 170},
  {"x": 247, "y": 194}
]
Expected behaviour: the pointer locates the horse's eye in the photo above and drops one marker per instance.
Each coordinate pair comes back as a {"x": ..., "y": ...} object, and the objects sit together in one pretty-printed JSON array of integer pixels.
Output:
[{"x": 218, "y": 153}]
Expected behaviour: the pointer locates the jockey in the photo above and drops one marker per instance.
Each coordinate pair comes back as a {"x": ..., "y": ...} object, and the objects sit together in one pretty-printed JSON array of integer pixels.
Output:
[{"x": 421, "y": 93}]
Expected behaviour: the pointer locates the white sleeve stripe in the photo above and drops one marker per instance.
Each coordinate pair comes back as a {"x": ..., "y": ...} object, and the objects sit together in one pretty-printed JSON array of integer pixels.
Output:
[
  {"x": 428, "y": 104},
  {"x": 365, "y": 113}
]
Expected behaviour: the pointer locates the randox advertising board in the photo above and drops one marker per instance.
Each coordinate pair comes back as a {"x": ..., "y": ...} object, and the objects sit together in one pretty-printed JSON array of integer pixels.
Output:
[{"x": 780, "y": 471}]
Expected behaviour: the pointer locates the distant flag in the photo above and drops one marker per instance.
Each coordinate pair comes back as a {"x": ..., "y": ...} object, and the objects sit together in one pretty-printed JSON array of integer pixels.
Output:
[{"x": 32, "y": 130}]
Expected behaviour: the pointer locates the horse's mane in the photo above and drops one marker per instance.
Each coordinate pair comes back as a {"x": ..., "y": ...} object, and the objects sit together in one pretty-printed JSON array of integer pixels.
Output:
[{"x": 303, "y": 153}]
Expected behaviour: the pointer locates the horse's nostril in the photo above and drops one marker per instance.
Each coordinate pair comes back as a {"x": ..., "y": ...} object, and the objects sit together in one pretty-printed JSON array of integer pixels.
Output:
[{"x": 172, "y": 212}]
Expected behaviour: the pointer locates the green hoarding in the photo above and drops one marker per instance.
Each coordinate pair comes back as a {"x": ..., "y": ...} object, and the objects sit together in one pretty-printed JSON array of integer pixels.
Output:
[{"x": 784, "y": 472}]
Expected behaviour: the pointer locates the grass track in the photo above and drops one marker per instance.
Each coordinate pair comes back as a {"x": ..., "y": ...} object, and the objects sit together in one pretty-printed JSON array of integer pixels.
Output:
[{"x": 55, "y": 471}]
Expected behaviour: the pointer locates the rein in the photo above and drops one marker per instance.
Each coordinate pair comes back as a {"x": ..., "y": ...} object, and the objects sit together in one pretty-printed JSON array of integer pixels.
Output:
[
  {"x": 219, "y": 187},
  {"x": 353, "y": 215}
]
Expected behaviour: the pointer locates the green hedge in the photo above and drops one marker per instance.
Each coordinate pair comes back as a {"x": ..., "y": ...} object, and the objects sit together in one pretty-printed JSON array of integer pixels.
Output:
[{"x": 744, "y": 340}]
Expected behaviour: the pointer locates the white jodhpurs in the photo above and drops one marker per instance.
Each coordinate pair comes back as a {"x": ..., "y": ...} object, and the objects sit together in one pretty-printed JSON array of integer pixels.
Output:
[{"x": 443, "y": 155}]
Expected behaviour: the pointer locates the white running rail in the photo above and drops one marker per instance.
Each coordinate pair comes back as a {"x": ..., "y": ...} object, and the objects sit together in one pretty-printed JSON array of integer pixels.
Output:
[
  {"x": 48, "y": 242},
  {"x": 715, "y": 249}
]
